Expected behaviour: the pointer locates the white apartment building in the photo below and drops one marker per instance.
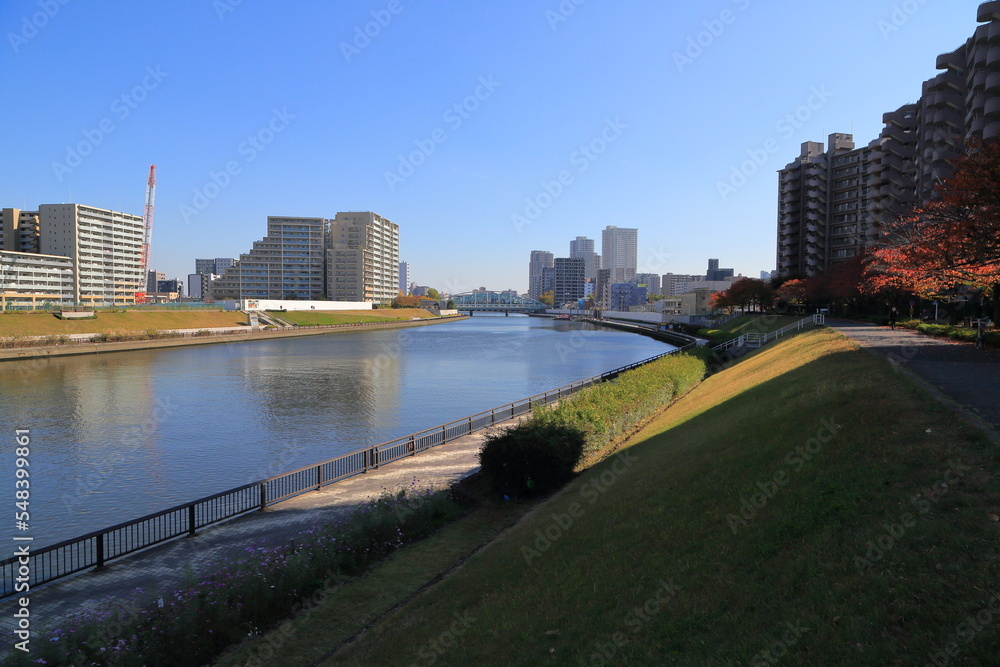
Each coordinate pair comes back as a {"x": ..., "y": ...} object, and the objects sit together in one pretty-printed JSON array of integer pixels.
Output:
[
  {"x": 31, "y": 279},
  {"x": 363, "y": 258},
  {"x": 619, "y": 252},
  {"x": 105, "y": 247}
]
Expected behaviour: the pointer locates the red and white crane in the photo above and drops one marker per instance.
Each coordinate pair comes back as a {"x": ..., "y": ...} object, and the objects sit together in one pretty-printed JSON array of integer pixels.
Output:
[{"x": 147, "y": 218}]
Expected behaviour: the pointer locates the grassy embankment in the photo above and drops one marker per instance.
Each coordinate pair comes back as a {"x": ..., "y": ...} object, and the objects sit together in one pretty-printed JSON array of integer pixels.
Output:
[
  {"x": 807, "y": 505},
  {"x": 47, "y": 324},
  {"x": 748, "y": 324},
  {"x": 304, "y": 318}
]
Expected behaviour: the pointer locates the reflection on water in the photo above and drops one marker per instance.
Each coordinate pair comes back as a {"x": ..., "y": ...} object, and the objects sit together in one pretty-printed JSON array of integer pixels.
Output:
[{"x": 121, "y": 435}]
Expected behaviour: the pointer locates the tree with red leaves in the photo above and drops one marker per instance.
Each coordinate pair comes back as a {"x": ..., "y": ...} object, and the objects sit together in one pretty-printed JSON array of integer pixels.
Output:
[
  {"x": 953, "y": 240},
  {"x": 749, "y": 293}
]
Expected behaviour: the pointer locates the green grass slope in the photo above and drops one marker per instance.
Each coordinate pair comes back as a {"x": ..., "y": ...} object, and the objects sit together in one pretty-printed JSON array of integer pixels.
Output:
[
  {"x": 316, "y": 317},
  {"x": 807, "y": 505}
]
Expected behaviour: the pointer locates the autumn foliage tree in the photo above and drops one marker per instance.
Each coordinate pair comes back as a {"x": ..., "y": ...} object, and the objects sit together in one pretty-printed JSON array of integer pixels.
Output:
[
  {"x": 748, "y": 294},
  {"x": 953, "y": 240}
]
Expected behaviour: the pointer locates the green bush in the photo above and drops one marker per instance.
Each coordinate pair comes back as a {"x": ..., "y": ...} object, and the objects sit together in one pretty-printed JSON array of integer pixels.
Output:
[
  {"x": 609, "y": 412},
  {"x": 531, "y": 458}
]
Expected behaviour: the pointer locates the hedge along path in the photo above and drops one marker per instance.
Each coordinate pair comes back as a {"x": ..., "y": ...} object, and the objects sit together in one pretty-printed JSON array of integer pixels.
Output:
[{"x": 609, "y": 413}]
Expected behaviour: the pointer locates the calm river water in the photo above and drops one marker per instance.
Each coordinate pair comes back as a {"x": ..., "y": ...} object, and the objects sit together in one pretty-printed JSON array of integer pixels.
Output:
[{"x": 117, "y": 436}]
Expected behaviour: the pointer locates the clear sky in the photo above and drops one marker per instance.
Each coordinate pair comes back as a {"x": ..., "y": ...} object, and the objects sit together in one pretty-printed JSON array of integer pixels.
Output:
[{"x": 484, "y": 129}]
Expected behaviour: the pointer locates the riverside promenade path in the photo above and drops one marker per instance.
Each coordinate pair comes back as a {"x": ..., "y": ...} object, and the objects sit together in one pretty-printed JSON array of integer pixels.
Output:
[
  {"x": 966, "y": 378},
  {"x": 163, "y": 568}
]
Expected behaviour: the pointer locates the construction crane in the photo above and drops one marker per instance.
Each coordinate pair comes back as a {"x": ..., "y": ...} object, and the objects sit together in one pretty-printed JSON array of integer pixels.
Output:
[{"x": 147, "y": 218}]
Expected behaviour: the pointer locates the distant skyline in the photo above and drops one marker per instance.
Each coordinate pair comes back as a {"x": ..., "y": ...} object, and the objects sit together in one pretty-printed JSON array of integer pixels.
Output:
[{"x": 672, "y": 119}]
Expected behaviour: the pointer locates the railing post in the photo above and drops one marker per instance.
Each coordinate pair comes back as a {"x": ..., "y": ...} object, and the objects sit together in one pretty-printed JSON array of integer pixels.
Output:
[
  {"x": 470, "y": 425},
  {"x": 191, "y": 519},
  {"x": 319, "y": 477},
  {"x": 493, "y": 417},
  {"x": 413, "y": 446},
  {"x": 100, "y": 551},
  {"x": 375, "y": 457},
  {"x": 444, "y": 434},
  {"x": 263, "y": 496}
]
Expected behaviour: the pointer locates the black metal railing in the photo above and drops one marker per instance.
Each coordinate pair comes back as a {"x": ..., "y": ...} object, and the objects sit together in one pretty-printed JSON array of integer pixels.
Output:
[{"x": 95, "y": 549}]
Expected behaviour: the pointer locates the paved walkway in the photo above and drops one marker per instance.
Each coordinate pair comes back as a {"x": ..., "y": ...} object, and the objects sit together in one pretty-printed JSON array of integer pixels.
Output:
[
  {"x": 163, "y": 568},
  {"x": 959, "y": 372}
]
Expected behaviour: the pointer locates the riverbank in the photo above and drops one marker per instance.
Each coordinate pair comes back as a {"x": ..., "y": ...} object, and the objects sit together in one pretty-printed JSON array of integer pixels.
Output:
[
  {"x": 193, "y": 338},
  {"x": 816, "y": 528}
]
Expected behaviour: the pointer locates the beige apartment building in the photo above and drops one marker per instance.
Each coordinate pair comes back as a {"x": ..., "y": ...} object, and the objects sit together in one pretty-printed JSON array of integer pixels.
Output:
[
  {"x": 833, "y": 200},
  {"x": 288, "y": 263},
  {"x": 363, "y": 258},
  {"x": 354, "y": 257}
]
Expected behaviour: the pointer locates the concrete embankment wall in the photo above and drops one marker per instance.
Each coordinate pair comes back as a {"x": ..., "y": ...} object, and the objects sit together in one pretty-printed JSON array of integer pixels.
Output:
[{"x": 72, "y": 349}]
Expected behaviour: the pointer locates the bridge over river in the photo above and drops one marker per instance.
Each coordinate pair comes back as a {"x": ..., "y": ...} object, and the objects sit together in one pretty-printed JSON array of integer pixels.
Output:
[{"x": 496, "y": 302}]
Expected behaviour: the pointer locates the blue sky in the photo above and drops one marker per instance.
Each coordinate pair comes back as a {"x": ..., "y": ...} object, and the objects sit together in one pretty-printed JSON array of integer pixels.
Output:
[{"x": 484, "y": 129}]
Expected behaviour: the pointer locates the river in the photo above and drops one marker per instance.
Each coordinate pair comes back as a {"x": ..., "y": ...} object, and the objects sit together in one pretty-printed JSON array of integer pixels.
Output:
[{"x": 119, "y": 435}]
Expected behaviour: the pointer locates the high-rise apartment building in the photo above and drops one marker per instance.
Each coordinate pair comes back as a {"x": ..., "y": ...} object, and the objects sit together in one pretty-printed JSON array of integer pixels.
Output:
[
  {"x": 583, "y": 248},
  {"x": 832, "y": 202},
  {"x": 20, "y": 231},
  {"x": 715, "y": 273},
  {"x": 404, "y": 278},
  {"x": 823, "y": 207},
  {"x": 619, "y": 252},
  {"x": 540, "y": 259},
  {"x": 675, "y": 284},
  {"x": 217, "y": 266},
  {"x": 363, "y": 258},
  {"x": 288, "y": 263},
  {"x": 602, "y": 288},
  {"x": 105, "y": 247},
  {"x": 569, "y": 277}
]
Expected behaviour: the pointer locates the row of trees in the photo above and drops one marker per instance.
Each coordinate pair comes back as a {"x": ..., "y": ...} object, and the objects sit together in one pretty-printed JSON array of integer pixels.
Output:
[{"x": 948, "y": 250}]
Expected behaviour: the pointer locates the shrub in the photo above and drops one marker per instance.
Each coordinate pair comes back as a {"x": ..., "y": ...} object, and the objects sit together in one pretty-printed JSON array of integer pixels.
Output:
[
  {"x": 532, "y": 458},
  {"x": 609, "y": 412}
]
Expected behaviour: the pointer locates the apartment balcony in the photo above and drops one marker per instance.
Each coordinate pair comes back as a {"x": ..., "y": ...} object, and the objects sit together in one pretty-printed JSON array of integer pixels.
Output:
[
  {"x": 988, "y": 11},
  {"x": 977, "y": 125},
  {"x": 993, "y": 82},
  {"x": 991, "y": 131},
  {"x": 953, "y": 61},
  {"x": 992, "y": 107},
  {"x": 993, "y": 32}
]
